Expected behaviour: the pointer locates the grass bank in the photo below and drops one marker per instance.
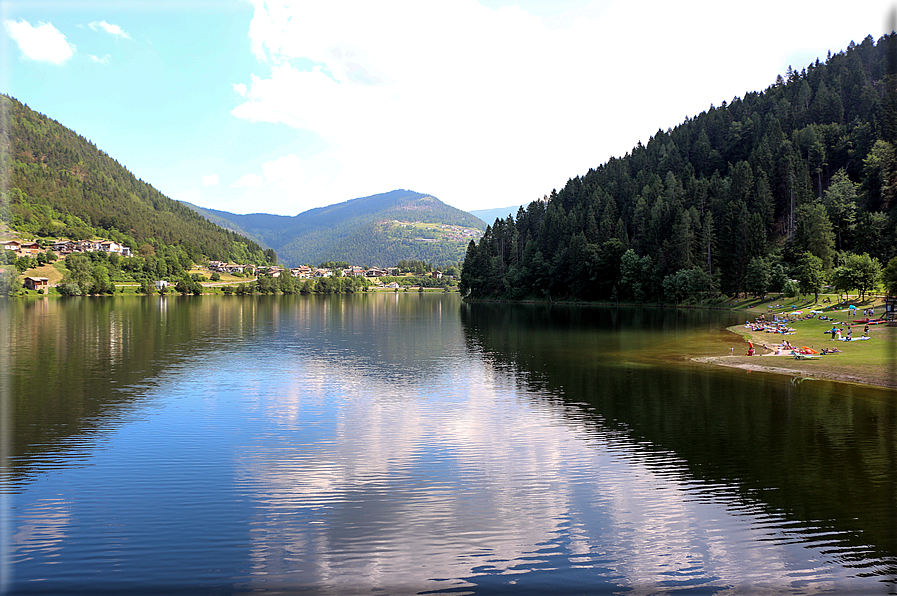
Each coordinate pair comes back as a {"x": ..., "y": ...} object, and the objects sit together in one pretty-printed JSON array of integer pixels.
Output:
[{"x": 870, "y": 362}]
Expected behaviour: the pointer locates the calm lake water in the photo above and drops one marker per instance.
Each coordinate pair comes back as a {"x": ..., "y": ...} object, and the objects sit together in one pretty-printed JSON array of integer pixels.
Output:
[{"x": 406, "y": 443}]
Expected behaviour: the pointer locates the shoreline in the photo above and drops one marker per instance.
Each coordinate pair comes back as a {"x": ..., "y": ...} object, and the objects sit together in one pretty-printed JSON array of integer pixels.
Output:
[
  {"x": 780, "y": 365},
  {"x": 817, "y": 375},
  {"x": 882, "y": 377},
  {"x": 857, "y": 365}
]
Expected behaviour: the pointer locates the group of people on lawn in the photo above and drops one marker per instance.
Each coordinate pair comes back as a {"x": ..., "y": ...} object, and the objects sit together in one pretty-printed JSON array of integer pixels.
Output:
[
  {"x": 836, "y": 333},
  {"x": 780, "y": 327}
]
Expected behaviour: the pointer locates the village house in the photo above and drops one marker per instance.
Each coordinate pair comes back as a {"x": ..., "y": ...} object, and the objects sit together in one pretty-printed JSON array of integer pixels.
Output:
[
  {"x": 30, "y": 248},
  {"x": 114, "y": 247},
  {"x": 302, "y": 272},
  {"x": 22, "y": 248},
  {"x": 374, "y": 272},
  {"x": 37, "y": 283},
  {"x": 63, "y": 246}
]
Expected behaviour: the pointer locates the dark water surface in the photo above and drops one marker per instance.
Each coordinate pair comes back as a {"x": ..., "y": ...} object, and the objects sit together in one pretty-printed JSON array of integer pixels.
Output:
[{"x": 405, "y": 443}]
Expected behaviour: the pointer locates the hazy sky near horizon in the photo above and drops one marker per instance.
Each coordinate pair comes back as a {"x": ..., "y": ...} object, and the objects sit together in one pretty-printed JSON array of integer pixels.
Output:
[{"x": 279, "y": 106}]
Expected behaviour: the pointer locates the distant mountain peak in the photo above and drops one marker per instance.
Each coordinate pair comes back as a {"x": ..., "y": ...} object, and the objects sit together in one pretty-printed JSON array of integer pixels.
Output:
[{"x": 349, "y": 231}]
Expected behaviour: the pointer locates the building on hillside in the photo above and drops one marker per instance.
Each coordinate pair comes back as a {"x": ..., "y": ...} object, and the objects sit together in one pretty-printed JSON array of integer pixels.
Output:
[
  {"x": 63, "y": 246},
  {"x": 113, "y": 247},
  {"x": 374, "y": 272},
  {"x": 37, "y": 283},
  {"x": 22, "y": 248},
  {"x": 436, "y": 274}
]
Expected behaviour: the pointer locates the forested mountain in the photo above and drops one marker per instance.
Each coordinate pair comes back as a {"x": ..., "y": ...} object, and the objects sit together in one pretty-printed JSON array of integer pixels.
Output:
[
  {"x": 60, "y": 185},
  {"x": 361, "y": 231},
  {"x": 796, "y": 181}
]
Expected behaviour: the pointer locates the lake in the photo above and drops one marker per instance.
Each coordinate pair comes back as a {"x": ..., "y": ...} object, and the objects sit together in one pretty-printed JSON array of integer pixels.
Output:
[{"x": 411, "y": 443}]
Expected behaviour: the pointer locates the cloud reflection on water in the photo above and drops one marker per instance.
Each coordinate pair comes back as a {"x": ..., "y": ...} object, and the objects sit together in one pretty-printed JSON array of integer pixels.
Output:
[{"x": 460, "y": 476}]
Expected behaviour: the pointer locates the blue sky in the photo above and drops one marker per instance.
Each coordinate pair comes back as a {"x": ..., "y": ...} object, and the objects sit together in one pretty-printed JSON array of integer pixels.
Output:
[{"x": 280, "y": 106}]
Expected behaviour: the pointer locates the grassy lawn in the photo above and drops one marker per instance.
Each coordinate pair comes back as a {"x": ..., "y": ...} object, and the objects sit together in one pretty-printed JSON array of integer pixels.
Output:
[
  {"x": 54, "y": 272},
  {"x": 872, "y": 361},
  {"x": 225, "y": 277}
]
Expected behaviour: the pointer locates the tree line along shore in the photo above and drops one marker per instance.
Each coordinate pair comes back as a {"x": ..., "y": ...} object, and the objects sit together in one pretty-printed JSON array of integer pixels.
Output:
[
  {"x": 868, "y": 361},
  {"x": 172, "y": 271}
]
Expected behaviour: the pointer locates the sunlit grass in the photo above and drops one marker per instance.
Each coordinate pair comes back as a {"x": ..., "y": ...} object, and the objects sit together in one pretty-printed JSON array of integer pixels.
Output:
[{"x": 872, "y": 361}]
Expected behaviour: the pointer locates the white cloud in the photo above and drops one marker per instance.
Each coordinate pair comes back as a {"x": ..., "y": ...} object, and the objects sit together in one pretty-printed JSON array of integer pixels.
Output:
[
  {"x": 104, "y": 60},
  {"x": 287, "y": 185},
  {"x": 43, "y": 43},
  {"x": 210, "y": 180},
  {"x": 109, "y": 28},
  {"x": 485, "y": 107},
  {"x": 249, "y": 181},
  {"x": 283, "y": 171}
]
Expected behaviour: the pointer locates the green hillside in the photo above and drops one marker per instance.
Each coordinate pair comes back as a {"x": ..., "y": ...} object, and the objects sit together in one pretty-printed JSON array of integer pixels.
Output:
[
  {"x": 798, "y": 182},
  {"x": 60, "y": 185},
  {"x": 362, "y": 231}
]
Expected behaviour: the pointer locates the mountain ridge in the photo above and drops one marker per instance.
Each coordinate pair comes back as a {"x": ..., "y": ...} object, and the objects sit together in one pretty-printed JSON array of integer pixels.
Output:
[{"x": 360, "y": 230}]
